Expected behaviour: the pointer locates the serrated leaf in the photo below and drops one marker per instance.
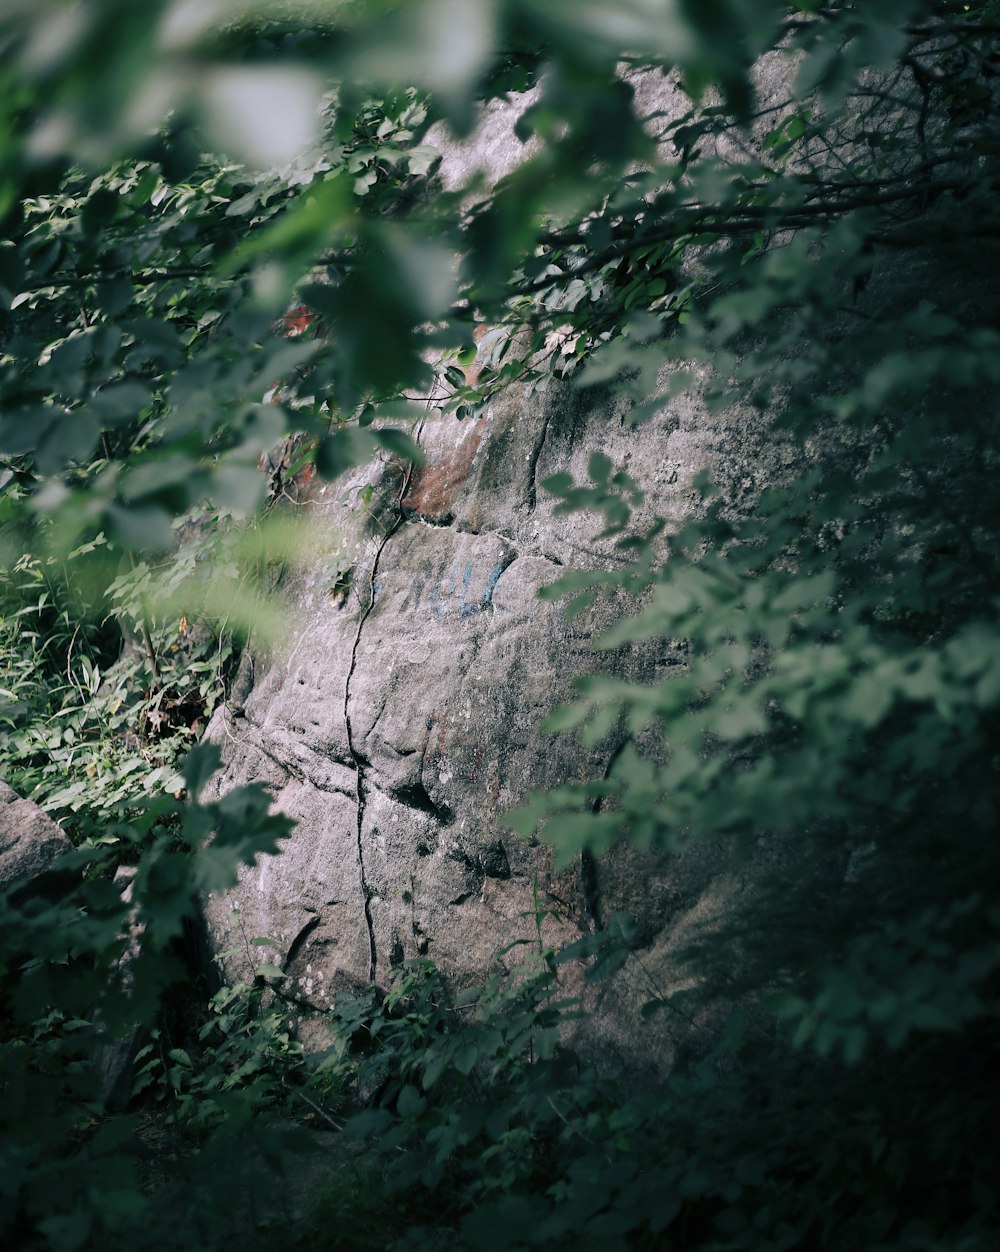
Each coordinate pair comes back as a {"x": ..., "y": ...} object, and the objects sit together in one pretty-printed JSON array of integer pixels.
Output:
[
  {"x": 410, "y": 1103},
  {"x": 199, "y": 766}
]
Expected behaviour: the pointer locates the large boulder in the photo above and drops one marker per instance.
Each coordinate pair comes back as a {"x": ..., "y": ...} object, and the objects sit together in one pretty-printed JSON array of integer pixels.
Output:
[
  {"x": 30, "y": 841},
  {"x": 400, "y": 717}
]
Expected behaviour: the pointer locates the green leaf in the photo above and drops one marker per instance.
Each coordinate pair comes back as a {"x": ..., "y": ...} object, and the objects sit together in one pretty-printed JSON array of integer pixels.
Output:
[
  {"x": 466, "y": 1058},
  {"x": 199, "y": 766},
  {"x": 345, "y": 448},
  {"x": 67, "y": 1232},
  {"x": 400, "y": 444},
  {"x": 411, "y": 1103},
  {"x": 268, "y": 970},
  {"x": 558, "y": 484},
  {"x": 140, "y": 528},
  {"x": 99, "y": 211},
  {"x": 599, "y": 467},
  {"x": 119, "y": 402},
  {"x": 435, "y": 1067},
  {"x": 115, "y": 295}
]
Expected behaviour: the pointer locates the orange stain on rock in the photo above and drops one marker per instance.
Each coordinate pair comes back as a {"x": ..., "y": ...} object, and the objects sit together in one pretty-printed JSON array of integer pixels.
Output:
[{"x": 435, "y": 485}]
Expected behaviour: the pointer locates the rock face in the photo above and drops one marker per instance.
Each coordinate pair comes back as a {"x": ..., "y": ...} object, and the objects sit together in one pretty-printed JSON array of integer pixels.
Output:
[
  {"x": 401, "y": 717},
  {"x": 30, "y": 841}
]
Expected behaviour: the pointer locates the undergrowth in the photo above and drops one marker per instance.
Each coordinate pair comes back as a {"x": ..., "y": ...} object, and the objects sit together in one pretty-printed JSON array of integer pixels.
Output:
[
  {"x": 480, "y": 1129},
  {"x": 101, "y": 696},
  {"x": 438, "y": 1117}
]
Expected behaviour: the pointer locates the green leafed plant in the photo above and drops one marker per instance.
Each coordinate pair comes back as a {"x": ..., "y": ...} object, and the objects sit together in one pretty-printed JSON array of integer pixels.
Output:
[{"x": 186, "y": 285}]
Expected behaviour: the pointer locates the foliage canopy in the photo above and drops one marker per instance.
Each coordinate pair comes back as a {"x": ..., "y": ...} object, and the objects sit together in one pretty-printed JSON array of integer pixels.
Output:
[{"x": 817, "y": 230}]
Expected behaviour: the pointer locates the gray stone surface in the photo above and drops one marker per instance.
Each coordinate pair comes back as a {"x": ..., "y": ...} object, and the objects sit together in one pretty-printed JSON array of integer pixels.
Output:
[
  {"x": 401, "y": 718},
  {"x": 398, "y": 731},
  {"x": 30, "y": 841}
]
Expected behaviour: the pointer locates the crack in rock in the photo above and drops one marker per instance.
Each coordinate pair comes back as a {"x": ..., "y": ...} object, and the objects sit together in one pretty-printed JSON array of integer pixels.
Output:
[
  {"x": 438, "y": 520},
  {"x": 414, "y": 795},
  {"x": 536, "y": 453},
  {"x": 356, "y": 756},
  {"x": 297, "y": 944}
]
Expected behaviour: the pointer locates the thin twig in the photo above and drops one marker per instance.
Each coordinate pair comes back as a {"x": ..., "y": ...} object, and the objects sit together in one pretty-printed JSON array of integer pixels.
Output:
[{"x": 312, "y": 1104}]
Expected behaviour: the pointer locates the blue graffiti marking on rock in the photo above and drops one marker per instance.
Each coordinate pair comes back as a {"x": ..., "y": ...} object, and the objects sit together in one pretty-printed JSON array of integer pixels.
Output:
[
  {"x": 464, "y": 608},
  {"x": 449, "y": 589},
  {"x": 477, "y": 606},
  {"x": 491, "y": 584},
  {"x": 442, "y": 608}
]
